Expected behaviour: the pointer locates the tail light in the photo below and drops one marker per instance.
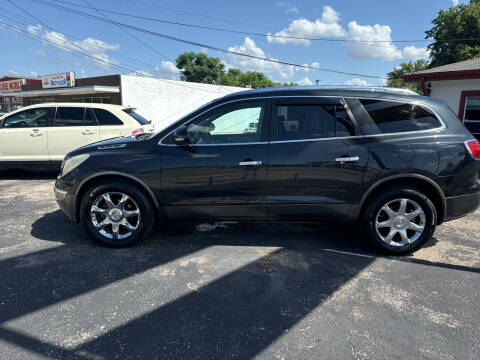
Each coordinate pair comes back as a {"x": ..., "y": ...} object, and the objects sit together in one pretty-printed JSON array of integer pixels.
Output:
[
  {"x": 138, "y": 131},
  {"x": 474, "y": 147}
]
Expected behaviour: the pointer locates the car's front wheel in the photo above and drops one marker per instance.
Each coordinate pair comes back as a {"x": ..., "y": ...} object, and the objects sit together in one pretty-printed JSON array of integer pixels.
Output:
[
  {"x": 116, "y": 213},
  {"x": 399, "y": 221}
]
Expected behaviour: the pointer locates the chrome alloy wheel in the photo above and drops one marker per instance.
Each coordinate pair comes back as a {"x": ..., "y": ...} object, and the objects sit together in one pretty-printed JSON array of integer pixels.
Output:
[
  {"x": 115, "y": 215},
  {"x": 400, "y": 222}
]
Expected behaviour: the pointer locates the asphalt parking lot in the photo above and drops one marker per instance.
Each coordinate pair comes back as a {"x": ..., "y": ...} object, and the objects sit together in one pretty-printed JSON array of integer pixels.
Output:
[{"x": 266, "y": 291}]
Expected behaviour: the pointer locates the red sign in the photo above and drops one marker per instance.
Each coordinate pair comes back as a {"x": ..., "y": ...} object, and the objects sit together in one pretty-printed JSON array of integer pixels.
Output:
[{"x": 12, "y": 85}]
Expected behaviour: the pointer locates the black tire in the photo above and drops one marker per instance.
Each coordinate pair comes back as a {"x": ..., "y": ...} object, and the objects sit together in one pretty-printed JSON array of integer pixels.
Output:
[
  {"x": 144, "y": 222},
  {"x": 390, "y": 196}
]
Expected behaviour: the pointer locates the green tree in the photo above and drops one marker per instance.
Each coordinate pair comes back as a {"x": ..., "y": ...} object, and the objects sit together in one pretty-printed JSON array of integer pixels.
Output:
[
  {"x": 458, "y": 22},
  {"x": 198, "y": 67},
  {"x": 254, "y": 79},
  {"x": 394, "y": 77}
]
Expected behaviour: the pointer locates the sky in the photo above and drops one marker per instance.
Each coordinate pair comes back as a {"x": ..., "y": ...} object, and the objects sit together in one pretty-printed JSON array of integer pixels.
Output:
[{"x": 59, "y": 37}]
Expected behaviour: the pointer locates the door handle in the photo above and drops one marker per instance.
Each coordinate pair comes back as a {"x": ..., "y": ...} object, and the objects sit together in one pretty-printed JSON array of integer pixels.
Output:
[
  {"x": 347, "y": 159},
  {"x": 87, "y": 132},
  {"x": 35, "y": 133},
  {"x": 250, "y": 163}
]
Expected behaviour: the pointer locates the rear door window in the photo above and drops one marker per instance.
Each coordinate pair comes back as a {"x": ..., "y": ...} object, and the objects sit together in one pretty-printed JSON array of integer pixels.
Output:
[
  {"x": 312, "y": 121},
  {"x": 106, "y": 118},
  {"x": 69, "y": 116},
  {"x": 395, "y": 117}
]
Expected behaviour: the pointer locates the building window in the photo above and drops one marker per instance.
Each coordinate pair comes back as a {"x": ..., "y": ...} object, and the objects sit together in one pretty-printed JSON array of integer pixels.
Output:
[
  {"x": 38, "y": 101},
  {"x": 469, "y": 111},
  {"x": 93, "y": 99},
  {"x": 472, "y": 115}
]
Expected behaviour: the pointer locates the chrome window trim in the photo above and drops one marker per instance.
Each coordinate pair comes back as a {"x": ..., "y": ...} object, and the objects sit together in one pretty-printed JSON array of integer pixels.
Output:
[
  {"x": 222, "y": 144},
  {"x": 342, "y": 100}
]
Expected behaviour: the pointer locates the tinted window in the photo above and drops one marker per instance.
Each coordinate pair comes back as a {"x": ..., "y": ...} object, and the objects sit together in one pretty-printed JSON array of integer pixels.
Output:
[
  {"x": 90, "y": 119},
  {"x": 140, "y": 119},
  {"x": 105, "y": 117},
  {"x": 240, "y": 123},
  {"x": 38, "y": 117},
  {"x": 69, "y": 116},
  {"x": 472, "y": 109},
  {"x": 312, "y": 121},
  {"x": 395, "y": 117},
  {"x": 472, "y": 115}
]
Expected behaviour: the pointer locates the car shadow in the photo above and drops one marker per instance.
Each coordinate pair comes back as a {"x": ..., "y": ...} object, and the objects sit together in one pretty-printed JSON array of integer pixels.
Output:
[
  {"x": 237, "y": 314},
  {"x": 30, "y": 174}
]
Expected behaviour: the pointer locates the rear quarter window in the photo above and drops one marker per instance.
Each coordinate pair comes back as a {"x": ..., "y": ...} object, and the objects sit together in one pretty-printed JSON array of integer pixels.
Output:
[
  {"x": 397, "y": 117},
  {"x": 105, "y": 117},
  {"x": 140, "y": 119}
]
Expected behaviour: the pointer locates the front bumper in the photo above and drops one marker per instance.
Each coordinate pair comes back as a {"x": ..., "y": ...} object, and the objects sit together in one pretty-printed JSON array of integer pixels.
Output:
[
  {"x": 66, "y": 202},
  {"x": 459, "y": 206}
]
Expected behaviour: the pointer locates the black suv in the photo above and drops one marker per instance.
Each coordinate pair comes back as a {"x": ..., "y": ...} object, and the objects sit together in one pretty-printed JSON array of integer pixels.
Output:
[{"x": 397, "y": 163}]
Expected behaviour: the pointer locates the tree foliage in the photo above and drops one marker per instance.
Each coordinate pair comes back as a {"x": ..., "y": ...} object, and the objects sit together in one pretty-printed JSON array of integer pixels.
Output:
[
  {"x": 200, "y": 68},
  {"x": 254, "y": 79},
  {"x": 395, "y": 76},
  {"x": 458, "y": 22}
]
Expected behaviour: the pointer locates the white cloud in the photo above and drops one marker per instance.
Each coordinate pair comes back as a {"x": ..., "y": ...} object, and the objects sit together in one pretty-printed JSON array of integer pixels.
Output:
[
  {"x": 305, "y": 81},
  {"x": 39, "y": 52},
  {"x": 326, "y": 26},
  {"x": 375, "y": 42},
  {"x": 356, "y": 82},
  {"x": 141, "y": 73},
  {"x": 250, "y": 64},
  {"x": 414, "y": 53},
  {"x": 34, "y": 73},
  {"x": 34, "y": 29},
  {"x": 95, "y": 48},
  {"x": 168, "y": 68},
  {"x": 371, "y": 42},
  {"x": 289, "y": 6},
  {"x": 455, "y": 2}
]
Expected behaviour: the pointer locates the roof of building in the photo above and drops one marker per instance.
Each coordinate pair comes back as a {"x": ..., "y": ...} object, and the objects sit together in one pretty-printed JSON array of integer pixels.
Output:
[{"x": 467, "y": 69}]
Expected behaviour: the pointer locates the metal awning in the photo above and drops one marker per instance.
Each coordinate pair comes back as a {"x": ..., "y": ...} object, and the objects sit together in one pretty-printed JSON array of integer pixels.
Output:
[{"x": 95, "y": 89}]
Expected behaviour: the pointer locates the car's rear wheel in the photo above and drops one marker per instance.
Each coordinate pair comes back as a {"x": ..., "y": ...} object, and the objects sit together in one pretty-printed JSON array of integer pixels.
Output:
[
  {"x": 399, "y": 220},
  {"x": 116, "y": 213}
]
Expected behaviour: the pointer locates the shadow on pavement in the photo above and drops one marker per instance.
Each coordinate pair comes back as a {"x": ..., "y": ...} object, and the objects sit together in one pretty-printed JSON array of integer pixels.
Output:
[
  {"x": 32, "y": 174},
  {"x": 237, "y": 315}
]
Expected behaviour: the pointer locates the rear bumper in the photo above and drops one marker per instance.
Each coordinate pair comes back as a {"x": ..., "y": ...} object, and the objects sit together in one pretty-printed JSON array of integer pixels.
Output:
[{"x": 458, "y": 206}]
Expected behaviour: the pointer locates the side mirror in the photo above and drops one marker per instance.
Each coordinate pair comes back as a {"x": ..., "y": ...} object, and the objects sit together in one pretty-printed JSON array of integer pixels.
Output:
[{"x": 180, "y": 135}]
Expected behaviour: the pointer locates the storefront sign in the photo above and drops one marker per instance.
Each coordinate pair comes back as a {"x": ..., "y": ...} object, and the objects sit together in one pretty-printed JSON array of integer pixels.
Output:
[
  {"x": 58, "y": 80},
  {"x": 12, "y": 85}
]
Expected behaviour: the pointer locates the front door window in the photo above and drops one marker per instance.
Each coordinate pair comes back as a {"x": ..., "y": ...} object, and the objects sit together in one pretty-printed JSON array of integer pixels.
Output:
[{"x": 234, "y": 124}]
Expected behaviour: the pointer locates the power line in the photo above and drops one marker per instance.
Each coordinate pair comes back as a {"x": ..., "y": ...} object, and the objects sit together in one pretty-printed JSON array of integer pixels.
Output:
[
  {"x": 122, "y": 69},
  {"x": 230, "y": 21},
  {"x": 90, "y": 46},
  {"x": 129, "y": 33},
  {"x": 287, "y": 37},
  {"x": 173, "y": 38}
]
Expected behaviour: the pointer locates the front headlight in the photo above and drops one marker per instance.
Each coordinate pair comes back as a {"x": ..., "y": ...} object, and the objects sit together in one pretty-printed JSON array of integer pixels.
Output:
[{"x": 72, "y": 163}]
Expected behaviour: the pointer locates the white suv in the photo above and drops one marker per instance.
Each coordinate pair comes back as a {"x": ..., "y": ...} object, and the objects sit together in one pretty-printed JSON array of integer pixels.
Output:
[{"x": 42, "y": 134}]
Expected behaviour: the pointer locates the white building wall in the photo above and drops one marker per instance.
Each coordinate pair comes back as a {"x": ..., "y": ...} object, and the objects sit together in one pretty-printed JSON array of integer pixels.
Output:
[
  {"x": 451, "y": 90},
  {"x": 164, "y": 101}
]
